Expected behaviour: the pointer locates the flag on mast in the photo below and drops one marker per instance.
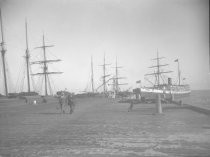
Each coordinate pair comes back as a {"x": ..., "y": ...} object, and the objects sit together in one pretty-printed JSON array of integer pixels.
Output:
[{"x": 176, "y": 60}]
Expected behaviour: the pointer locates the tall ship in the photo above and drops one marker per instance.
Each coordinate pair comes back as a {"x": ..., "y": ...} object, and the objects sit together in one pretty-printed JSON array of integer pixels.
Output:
[
  {"x": 167, "y": 89},
  {"x": 22, "y": 89}
]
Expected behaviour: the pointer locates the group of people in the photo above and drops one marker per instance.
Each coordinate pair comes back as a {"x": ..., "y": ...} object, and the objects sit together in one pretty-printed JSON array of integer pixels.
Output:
[{"x": 65, "y": 99}]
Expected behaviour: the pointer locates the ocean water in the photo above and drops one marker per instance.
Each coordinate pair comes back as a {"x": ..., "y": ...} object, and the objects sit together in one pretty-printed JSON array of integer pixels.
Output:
[{"x": 199, "y": 98}]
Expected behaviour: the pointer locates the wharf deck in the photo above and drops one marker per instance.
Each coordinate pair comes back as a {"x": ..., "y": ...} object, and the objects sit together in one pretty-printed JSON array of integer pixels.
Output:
[{"x": 101, "y": 127}]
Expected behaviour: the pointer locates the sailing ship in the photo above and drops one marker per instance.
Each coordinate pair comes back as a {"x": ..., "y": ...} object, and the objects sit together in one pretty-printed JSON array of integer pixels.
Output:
[
  {"x": 27, "y": 68},
  {"x": 90, "y": 88},
  {"x": 167, "y": 90},
  {"x": 114, "y": 91},
  {"x": 45, "y": 71},
  {"x": 93, "y": 91},
  {"x": 44, "y": 65}
]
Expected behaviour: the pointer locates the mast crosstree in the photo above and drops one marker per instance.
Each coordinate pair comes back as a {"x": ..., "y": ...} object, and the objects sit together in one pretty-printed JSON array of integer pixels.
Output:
[{"x": 45, "y": 62}]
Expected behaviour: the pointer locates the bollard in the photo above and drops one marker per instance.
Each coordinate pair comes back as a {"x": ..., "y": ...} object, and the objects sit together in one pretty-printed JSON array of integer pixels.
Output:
[{"x": 158, "y": 104}]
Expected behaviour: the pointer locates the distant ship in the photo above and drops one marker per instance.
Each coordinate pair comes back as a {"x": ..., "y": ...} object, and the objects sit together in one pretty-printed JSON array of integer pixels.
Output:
[{"x": 168, "y": 90}]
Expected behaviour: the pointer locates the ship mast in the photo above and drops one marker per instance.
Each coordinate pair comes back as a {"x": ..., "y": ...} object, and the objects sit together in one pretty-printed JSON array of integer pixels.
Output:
[
  {"x": 92, "y": 76},
  {"x": 104, "y": 76},
  {"x": 27, "y": 57},
  {"x": 3, "y": 51},
  {"x": 116, "y": 82},
  {"x": 45, "y": 65},
  {"x": 158, "y": 73},
  {"x": 179, "y": 73}
]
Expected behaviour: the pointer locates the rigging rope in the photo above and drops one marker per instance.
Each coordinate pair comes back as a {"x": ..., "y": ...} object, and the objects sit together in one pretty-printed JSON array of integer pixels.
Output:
[
  {"x": 20, "y": 78},
  {"x": 50, "y": 89},
  {"x": 42, "y": 80},
  {"x": 23, "y": 80},
  {"x": 10, "y": 82},
  {"x": 1, "y": 78},
  {"x": 32, "y": 79},
  {"x": 53, "y": 85}
]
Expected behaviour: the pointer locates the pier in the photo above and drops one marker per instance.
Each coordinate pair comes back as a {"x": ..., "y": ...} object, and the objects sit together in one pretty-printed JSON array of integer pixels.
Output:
[{"x": 101, "y": 127}]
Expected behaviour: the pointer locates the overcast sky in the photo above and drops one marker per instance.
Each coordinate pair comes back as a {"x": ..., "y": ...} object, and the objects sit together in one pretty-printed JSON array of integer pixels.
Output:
[{"x": 131, "y": 30}]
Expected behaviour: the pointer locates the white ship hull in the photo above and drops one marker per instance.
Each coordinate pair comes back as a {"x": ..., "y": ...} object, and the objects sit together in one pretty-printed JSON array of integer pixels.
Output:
[{"x": 175, "y": 91}]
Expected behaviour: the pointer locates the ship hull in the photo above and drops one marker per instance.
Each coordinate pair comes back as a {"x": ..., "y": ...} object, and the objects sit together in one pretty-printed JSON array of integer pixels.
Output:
[{"x": 151, "y": 93}]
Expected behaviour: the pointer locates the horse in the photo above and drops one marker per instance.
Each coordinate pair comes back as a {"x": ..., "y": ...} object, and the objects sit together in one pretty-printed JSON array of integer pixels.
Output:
[{"x": 66, "y": 100}]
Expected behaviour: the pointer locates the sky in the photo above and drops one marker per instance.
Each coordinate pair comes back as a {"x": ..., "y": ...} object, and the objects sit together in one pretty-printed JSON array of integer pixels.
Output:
[{"x": 133, "y": 31}]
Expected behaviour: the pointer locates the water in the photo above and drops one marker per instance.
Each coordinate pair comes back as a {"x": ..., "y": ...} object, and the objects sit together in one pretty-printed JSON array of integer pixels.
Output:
[{"x": 199, "y": 98}]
